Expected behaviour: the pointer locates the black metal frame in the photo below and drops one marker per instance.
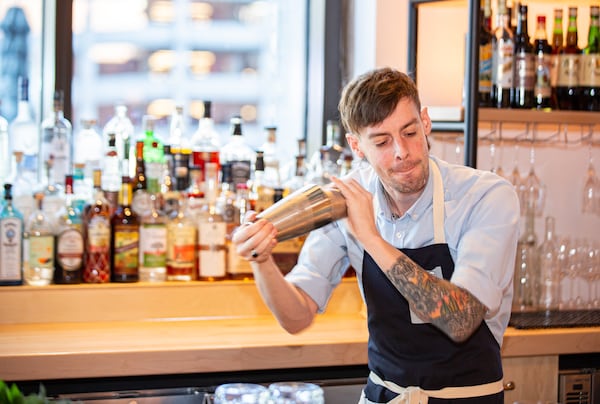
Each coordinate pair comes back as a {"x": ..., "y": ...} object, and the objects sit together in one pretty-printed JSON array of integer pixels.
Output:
[{"x": 471, "y": 118}]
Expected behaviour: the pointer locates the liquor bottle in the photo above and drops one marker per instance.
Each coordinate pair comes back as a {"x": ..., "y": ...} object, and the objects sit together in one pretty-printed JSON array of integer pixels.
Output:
[
  {"x": 557, "y": 44},
  {"x": 177, "y": 130},
  {"x": 333, "y": 148},
  {"x": 526, "y": 266},
  {"x": 299, "y": 179},
  {"x": 121, "y": 126},
  {"x": 225, "y": 204},
  {"x": 568, "y": 67},
  {"x": 153, "y": 244},
  {"x": 96, "y": 224},
  {"x": 549, "y": 283},
  {"x": 238, "y": 153},
  {"x": 53, "y": 194},
  {"x": 261, "y": 192},
  {"x": 11, "y": 241},
  {"x": 272, "y": 175},
  {"x": 212, "y": 233},
  {"x": 167, "y": 177},
  {"x": 22, "y": 187},
  {"x": 485, "y": 55},
  {"x": 524, "y": 64},
  {"x": 589, "y": 85},
  {"x": 182, "y": 238},
  {"x": 125, "y": 237},
  {"x": 24, "y": 133},
  {"x": 83, "y": 188},
  {"x": 195, "y": 192},
  {"x": 38, "y": 247},
  {"x": 238, "y": 268},
  {"x": 111, "y": 173},
  {"x": 205, "y": 141},
  {"x": 154, "y": 157},
  {"x": 89, "y": 148},
  {"x": 5, "y": 163},
  {"x": 69, "y": 247},
  {"x": 503, "y": 48},
  {"x": 56, "y": 144},
  {"x": 181, "y": 170},
  {"x": 543, "y": 56},
  {"x": 141, "y": 203}
]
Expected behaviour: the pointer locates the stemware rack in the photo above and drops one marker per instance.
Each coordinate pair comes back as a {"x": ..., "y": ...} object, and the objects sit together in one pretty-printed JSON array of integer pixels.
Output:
[{"x": 539, "y": 128}]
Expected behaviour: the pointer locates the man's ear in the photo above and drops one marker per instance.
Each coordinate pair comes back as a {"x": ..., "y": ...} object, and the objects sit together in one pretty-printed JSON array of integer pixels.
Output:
[
  {"x": 426, "y": 121},
  {"x": 353, "y": 143}
]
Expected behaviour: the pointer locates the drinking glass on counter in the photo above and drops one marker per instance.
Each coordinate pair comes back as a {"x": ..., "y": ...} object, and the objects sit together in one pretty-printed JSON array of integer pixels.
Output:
[
  {"x": 296, "y": 393},
  {"x": 241, "y": 393}
]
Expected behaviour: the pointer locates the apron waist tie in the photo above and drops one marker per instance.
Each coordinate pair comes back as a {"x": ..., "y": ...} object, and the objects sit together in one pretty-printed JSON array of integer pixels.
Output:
[{"x": 416, "y": 395}]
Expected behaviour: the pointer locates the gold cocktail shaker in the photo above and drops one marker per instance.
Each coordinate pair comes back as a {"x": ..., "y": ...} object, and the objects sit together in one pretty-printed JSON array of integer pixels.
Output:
[{"x": 306, "y": 209}]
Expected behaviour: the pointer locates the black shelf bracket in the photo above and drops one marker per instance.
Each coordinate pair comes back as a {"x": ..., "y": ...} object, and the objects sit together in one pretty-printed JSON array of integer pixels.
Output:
[{"x": 471, "y": 82}]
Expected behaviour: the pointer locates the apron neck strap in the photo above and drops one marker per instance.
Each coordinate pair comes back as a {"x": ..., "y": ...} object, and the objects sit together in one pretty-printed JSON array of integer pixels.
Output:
[{"x": 438, "y": 204}]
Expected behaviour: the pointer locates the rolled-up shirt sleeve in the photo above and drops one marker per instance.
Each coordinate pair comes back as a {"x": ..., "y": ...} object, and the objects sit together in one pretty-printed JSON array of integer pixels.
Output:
[{"x": 321, "y": 263}]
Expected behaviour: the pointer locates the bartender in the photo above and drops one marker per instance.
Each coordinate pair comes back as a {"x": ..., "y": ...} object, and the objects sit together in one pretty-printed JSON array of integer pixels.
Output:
[{"x": 433, "y": 245}]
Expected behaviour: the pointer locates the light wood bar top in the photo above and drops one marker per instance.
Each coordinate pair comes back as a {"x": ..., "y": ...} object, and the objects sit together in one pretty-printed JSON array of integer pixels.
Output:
[{"x": 149, "y": 329}]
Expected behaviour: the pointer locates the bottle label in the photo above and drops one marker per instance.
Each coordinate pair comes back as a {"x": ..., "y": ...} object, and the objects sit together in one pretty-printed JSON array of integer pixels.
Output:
[
  {"x": 181, "y": 245},
  {"x": 485, "y": 68},
  {"x": 553, "y": 70},
  {"x": 524, "y": 71},
  {"x": 543, "y": 87},
  {"x": 503, "y": 64},
  {"x": 69, "y": 250},
  {"x": 126, "y": 249},
  {"x": 590, "y": 70},
  {"x": 568, "y": 70},
  {"x": 237, "y": 265},
  {"x": 142, "y": 203},
  {"x": 153, "y": 245},
  {"x": 212, "y": 257},
  {"x": 240, "y": 171},
  {"x": 41, "y": 251},
  {"x": 11, "y": 245},
  {"x": 98, "y": 235}
]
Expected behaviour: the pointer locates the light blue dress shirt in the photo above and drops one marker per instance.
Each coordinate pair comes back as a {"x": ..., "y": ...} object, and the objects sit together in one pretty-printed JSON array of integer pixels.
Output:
[{"x": 481, "y": 211}]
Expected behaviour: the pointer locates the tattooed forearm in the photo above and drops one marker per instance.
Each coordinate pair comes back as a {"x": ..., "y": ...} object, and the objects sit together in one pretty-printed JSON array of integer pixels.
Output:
[{"x": 452, "y": 309}]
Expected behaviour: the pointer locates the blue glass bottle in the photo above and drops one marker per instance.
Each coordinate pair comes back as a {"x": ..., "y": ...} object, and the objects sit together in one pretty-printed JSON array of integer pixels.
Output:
[{"x": 11, "y": 241}]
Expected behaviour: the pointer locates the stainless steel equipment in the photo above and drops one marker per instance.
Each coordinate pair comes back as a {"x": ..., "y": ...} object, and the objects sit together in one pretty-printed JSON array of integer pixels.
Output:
[
  {"x": 306, "y": 209},
  {"x": 579, "y": 386}
]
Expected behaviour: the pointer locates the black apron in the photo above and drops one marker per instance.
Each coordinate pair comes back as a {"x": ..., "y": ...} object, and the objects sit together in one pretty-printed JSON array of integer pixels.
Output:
[{"x": 408, "y": 353}]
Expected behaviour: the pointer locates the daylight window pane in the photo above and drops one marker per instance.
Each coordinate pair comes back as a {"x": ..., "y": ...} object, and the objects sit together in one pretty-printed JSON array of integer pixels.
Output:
[{"x": 247, "y": 57}]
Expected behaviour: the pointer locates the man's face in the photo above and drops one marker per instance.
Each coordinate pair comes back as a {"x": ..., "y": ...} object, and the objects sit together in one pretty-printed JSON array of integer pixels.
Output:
[{"x": 397, "y": 149}]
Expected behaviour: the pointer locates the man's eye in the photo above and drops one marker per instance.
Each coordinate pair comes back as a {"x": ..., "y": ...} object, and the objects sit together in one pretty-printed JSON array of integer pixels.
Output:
[
  {"x": 410, "y": 134},
  {"x": 381, "y": 144}
]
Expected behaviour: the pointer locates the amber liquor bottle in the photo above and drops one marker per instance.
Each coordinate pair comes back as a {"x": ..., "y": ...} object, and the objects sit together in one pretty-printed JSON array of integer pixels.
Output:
[
  {"x": 125, "y": 237},
  {"x": 97, "y": 235}
]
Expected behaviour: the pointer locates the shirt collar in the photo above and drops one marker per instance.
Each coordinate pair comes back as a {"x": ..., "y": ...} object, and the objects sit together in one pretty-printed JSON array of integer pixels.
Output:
[{"x": 416, "y": 210}]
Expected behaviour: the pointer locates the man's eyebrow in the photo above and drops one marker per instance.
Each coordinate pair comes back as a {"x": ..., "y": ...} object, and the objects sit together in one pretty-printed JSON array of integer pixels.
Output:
[{"x": 378, "y": 134}]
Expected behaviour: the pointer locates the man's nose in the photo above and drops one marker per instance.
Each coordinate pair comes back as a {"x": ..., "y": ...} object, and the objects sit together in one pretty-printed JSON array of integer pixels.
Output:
[{"x": 400, "y": 148}]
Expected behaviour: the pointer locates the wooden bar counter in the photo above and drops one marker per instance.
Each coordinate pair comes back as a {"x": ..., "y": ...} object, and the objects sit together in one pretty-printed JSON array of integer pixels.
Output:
[{"x": 115, "y": 330}]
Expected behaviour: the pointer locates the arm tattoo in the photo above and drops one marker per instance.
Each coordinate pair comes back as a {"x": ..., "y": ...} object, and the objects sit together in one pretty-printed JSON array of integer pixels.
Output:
[{"x": 452, "y": 309}]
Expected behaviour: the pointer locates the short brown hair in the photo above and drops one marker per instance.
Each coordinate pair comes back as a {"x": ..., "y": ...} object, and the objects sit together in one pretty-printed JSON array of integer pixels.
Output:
[{"x": 371, "y": 97}]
